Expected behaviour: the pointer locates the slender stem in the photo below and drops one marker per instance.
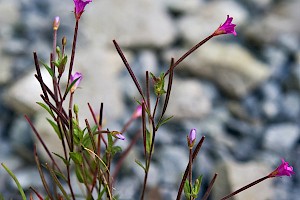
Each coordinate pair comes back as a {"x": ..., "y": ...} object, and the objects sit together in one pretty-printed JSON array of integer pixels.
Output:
[
  {"x": 190, "y": 171},
  {"x": 42, "y": 142},
  {"x": 205, "y": 196},
  {"x": 72, "y": 55},
  {"x": 195, "y": 153},
  {"x": 189, "y": 52},
  {"x": 120, "y": 52},
  {"x": 124, "y": 154},
  {"x": 245, "y": 187}
]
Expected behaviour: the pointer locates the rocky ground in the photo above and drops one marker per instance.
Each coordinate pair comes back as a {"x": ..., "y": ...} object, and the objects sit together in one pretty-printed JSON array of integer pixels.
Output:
[{"x": 241, "y": 92}]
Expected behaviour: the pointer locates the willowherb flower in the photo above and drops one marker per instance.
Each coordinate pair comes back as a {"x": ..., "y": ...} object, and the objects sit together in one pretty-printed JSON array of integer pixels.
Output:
[
  {"x": 78, "y": 76},
  {"x": 191, "y": 137},
  {"x": 282, "y": 170},
  {"x": 56, "y": 23},
  {"x": 226, "y": 28},
  {"x": 138, "y": 112},
  {"x": 117, "y": 135},
  {"x": 79, "y": 7}
]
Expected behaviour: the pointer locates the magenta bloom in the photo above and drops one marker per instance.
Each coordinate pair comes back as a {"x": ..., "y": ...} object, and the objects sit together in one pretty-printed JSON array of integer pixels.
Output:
[
  {"x": 138, "y": 112},
  {"x": 117, "y": 135},
  {"x": 192, "y": 137},
  {"x": 79, "y": 7},
  {"x": 282, "y": 170},
  {"x": 226, "y": 28},
  {"x": 120, "y": 136},
  {"x": 78, "y": 76}
]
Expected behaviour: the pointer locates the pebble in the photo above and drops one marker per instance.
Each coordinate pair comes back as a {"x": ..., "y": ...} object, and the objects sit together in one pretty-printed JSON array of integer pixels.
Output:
[{"x": 281, "y": 138}]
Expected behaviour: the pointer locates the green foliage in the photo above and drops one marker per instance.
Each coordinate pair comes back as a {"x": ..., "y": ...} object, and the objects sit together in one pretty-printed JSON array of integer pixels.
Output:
[
  {"x": 55, "y": 128},
  {"x": 16, "y": 181},
  {"x": 140, "y": 164},
  {"x": 159, "y": 84},
  {"x": 192, "y": 190},
  {"x": 50, "y": 71},
  {"x": 148, "y": 141}
]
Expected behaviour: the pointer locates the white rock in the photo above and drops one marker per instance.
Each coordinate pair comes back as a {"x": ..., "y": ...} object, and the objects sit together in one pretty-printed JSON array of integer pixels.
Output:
[
  {"x": 278, "y": 25},
  {"x": 230, "y": 66},
  {"x": 188, "y": 100},
  {"x": 232, "y": 176},
  {"x": 281, "y": 137},
  {"x": 132, "y": 23}
]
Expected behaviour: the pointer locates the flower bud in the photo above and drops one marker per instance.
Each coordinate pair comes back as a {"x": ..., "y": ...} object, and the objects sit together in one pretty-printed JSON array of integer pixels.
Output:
[{"x": 56, "y": 23}]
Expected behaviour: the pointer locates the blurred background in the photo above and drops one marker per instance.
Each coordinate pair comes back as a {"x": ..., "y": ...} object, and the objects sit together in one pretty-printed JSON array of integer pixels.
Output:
[{"x": 241, "y": 92}]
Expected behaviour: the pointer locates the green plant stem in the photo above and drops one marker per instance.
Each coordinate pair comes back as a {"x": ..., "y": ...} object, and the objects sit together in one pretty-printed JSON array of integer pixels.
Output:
[{"x": 245, "y": 187}]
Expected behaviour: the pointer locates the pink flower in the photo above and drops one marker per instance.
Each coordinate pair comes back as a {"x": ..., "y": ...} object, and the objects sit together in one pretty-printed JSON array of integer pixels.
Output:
[
  {"x": 138, "y": 112},
  {"x": 78, "y": 76},
  {"x": 226, "y": 28},
  {"x": 120, "y": 136},
  {"x": 79, "y": 7},
  {"x": 117, "y": 135},
  {"x": 282, "y": 170},
  {"x": 191, "y": 137}
]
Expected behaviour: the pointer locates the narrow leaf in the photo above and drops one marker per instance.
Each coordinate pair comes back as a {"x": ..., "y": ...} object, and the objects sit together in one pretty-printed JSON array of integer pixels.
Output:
[
  {"x": 16, "y": 181},
  {"x": 48, "y": 69},
  {"x": 46, "y": 108},
  {"x": 76, "y": 157},
  {"x": 55, "y": 127},
  {"x": 62, "y": 158},
  {"x": 163, "y": 121},
  {"x": 140, "y": 164},
  {"x": 148, "y": 141}
]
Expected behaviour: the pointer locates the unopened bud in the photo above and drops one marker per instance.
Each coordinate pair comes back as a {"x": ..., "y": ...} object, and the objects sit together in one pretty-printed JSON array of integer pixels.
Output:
[
  {"x": 56, "y": 23},
  {"x": 64, "y": 41}
]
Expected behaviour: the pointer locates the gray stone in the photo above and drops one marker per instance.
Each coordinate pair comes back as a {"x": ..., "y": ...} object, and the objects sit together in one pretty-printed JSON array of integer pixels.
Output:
[
  {"x": 281, "y": 138},
  {"x": 196, "y": 26},
  {"x": 233, "y": 175},
  {"x": 266, "y": 30},
  {"x": 173, "y": 161},
  {"x": 188, "y": 100},
  {"x": 132, "y": 23},
  {"x": 230, "y": 66}
]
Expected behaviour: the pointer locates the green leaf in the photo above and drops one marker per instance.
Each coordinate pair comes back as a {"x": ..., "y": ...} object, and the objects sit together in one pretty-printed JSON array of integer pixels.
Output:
[
  {"x": 148, "y": 141},
  {"x": 140, "y": 164},
  {"x": 115, "y": 150},
  {"x": 159, "y": 84},
  {"x": 46, "y": 108},
  {"x": 55, "y": 127},
  {"x": 71, "y": 85},
  {"x": 62, "y": 176},
  {"x": 79, "y": 174},
  {"x": 101, "y": 194},
  {"x": 76, "y": 157},
  {"x": 197, "y": 185},
  {"x": 163, "y": 121},
  {"x": 110, "y": 142},
  {"x": 48, "y": 69},
  {"x": 1, "y": 197},
  {"x": 16, "y": 181},
  {"x": 187, "y": 189},
  {"x": 62, "y": 158}
]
